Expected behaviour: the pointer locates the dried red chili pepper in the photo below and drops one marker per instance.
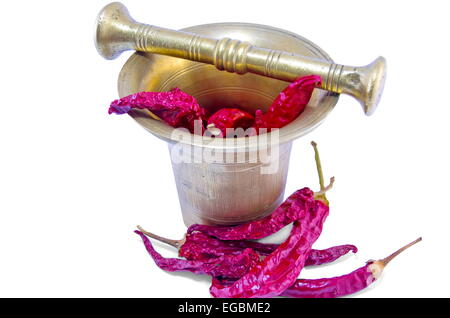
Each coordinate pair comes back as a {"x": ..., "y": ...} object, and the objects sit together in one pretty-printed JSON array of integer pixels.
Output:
[
  {"x": 176, "y": 108},
  {"x": 342, "y": 285},
  {"x": 278, "y": 271},
  {"x": 289, "y": 104},
  {"x": 230, "y": 118},
  {"x": 230, "y": 266},
  {"x": 199, "y": 246},
  {"x": 319, "y": 257}
]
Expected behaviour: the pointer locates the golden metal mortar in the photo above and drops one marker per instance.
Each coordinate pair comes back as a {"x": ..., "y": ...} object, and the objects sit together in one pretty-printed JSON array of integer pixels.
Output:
[
  {"x": 217, "y": 193},
  {"x": 117, "y": 32}
]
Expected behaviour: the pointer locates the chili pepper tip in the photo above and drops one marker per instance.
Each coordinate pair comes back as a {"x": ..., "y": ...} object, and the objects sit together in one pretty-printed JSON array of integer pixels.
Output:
[{"x": 318, "y": 165}]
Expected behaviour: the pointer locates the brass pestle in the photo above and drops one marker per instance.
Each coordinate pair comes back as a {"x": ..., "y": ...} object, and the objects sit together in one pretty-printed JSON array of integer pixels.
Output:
[{"x": 117, "y": 32}]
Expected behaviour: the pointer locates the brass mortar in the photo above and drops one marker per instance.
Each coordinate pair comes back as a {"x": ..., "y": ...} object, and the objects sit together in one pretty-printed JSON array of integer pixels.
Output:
[{"x": 224, "y": 193}]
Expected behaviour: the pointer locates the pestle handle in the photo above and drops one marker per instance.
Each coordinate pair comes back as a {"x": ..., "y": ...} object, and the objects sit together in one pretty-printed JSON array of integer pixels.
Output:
[{"x": 117, "y": 32}]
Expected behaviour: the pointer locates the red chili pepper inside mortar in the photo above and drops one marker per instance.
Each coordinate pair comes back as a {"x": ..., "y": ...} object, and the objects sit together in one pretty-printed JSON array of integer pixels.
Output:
[
  {"x": 289, "y": 104},
  {"x": 176, "y": 108},
  {"x": 230, "y": 118}
]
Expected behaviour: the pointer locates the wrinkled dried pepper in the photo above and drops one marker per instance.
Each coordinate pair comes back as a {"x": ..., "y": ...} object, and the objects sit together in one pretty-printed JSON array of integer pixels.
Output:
[
  {"x": 342, "y": 285},
  {"x": 230, "y": 118},
  {"x": 319, "y": 257},
  {"x": 279, "y": 270},
  {"x": 289, "y": 104},
  {"x": 176, "y": 108},
  {"x": 231, "y": 266},
  {"x": 199, "y": 246}
]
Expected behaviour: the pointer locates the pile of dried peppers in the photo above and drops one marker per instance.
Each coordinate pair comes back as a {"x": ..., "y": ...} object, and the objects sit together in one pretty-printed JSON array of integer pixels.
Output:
[
  {"x": 179, "y": 109},
  {"x": 239, "y": 265},
  {"x": 243, "y": 267}
]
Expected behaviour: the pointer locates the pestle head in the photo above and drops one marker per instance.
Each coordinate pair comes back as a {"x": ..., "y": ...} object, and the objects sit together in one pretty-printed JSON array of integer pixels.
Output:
[
  {"x": 373, "y": 85},
  {"x": 112, "y": 36}
]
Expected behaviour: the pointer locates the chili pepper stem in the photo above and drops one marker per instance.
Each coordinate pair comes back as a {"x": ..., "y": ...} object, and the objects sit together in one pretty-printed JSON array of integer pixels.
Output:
[
  {"x": 175, "y": 243},
  {"x": 377, "y": 266},
  {"x": 393, "y": 255},
  {"x": 323, "y": 189}
]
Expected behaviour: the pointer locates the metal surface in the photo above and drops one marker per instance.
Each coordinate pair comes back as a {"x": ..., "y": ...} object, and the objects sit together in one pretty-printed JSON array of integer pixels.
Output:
[
  {"x": 116, "y": 32},
  {"x": 218, "y": 193}
]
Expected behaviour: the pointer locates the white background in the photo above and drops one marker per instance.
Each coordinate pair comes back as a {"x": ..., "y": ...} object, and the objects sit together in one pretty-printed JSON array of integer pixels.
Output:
[{"x": 74, "y": 181}]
